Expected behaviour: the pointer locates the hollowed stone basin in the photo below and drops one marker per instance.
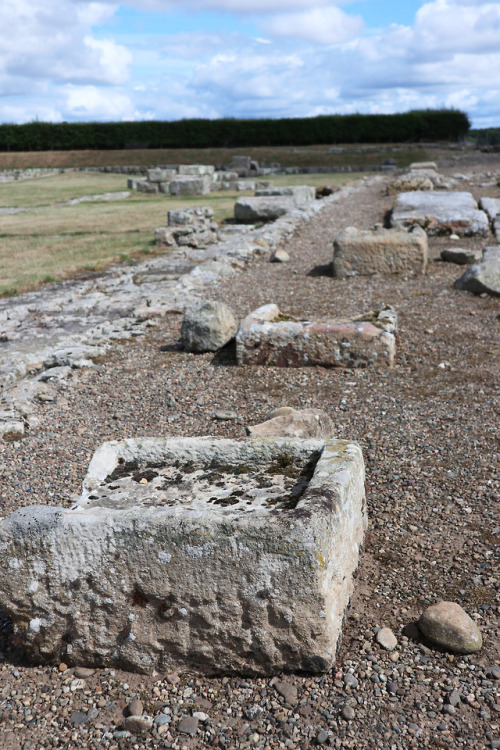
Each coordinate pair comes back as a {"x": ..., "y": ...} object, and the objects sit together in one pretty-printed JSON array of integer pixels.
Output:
[{"x": 220, "y": 555}]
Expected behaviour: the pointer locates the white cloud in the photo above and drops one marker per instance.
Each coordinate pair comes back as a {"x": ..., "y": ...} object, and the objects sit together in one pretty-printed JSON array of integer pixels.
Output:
[
  {"x": 90, "y": 103},
  {"x": 320, "y": 25}
]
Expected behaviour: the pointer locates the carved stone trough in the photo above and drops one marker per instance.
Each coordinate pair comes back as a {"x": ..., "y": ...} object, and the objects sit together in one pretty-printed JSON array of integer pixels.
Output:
[
  {"x": 266, "y": 337},
  {"x": 214, "y": 554}
]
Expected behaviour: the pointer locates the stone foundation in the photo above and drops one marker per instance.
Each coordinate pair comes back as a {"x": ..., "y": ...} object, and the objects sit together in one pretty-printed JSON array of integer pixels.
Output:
[
  {"x": 359, "y": 252},
  {"x": 212, "y": 554}
]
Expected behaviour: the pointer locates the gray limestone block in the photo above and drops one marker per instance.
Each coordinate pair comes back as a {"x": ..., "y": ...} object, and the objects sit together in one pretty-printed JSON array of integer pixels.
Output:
[
  {"x": 207, "y": 326},
  {"x": 161, "y": 175},
  {"x": 254, "y": 210},
  {"x": 385, "y": 251},
  {"x": 302, "y": 194},
  {"x": 439, "y": 213},
  {"x": 187, "y": 185},
  {"x": 203, "y": 553},
  {"x": 197, "y": 170}
]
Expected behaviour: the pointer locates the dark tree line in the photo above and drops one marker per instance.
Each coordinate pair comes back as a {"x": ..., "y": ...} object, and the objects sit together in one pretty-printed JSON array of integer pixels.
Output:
[{"x": 417, "y": 125}]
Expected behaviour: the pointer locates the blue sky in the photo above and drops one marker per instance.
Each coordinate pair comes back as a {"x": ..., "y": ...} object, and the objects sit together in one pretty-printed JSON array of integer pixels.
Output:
[{"x": 103, "y": 60}]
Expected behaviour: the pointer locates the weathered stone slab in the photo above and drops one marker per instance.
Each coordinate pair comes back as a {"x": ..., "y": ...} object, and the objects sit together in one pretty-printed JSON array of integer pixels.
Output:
[
  {"x": 360, "y": 252},
  {"x": 253, "y": 210},
  {"x": 161, "y": 175},
  {"x": 266, "y": 337},
  {"x": 484, "y": 277},
  {"x": 491, "y": 206},
  {"x": 197, "y": 170},
  {"x": 213, "y": 554},
  {"x": 302, "y": 194},
  {"x": 455, "y": 212},
  {"x": 186, "y": 185},
  {"x": 461, "y": 256}
]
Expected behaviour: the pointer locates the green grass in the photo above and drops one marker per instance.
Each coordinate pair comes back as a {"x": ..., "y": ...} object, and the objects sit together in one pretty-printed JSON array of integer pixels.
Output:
[{"x": 49, "y": 241}]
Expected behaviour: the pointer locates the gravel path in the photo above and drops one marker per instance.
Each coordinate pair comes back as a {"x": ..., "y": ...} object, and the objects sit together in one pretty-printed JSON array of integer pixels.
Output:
[{"x": 429, "y": 429}]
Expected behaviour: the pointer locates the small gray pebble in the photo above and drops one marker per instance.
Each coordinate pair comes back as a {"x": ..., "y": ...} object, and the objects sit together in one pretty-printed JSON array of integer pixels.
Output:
[
  {"x": 322, "y": 737},
  {"x": 442, "y": 727},
  {"x": 450, "y": 710},
  {"x": 493, "y": 672},
  {"x": 162, "y": 719},
  {"x": 453, "y": 698},
  {"x": 77, "y": 717},
  {"x": 347, "y": 713},
  {"x": 350, "y": 680},
  {"x": 121, "y": 735}
]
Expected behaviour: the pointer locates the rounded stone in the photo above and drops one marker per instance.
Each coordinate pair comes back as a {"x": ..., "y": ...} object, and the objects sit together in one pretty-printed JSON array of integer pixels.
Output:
[
  {"x": 135, "y": 708},
  {"x": 136, "y": 724},
  {"x": 447, "y": 625},
  {"x": 386, "y": 638},
  {"x": 208, "y": 326}
]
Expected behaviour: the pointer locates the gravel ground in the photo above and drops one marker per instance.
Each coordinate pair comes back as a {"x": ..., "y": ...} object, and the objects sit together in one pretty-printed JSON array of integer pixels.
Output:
[{"x": 430, "y": 437}]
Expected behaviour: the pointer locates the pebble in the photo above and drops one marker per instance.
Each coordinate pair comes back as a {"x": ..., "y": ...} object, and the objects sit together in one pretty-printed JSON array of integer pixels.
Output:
[
  {"x": 322, "y": 737},
  {"x": 447, "y": 625},
  {"x": 350, "y": 680},
  {"x": 188, "y": 725},
  {"x": 135, "y": 707},
  {"x": 347, "y": 713},
  {"x": 225, "y": 416},
  {"x": 453, "y": 698},
  {"x": 386, "y": 638},
  {"x": 83, "y": 672},
  {"x": 288, "y": 691},
  {"x": 136, "y": 724}
]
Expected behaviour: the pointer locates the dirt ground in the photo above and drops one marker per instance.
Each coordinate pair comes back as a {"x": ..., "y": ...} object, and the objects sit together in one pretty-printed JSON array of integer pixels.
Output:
[{"x": 429, "y": 430}]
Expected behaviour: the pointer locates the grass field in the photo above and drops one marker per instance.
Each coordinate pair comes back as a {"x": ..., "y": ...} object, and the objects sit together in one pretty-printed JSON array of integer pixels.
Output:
[
  {"x": 304, "y": 156},
  {"x": 49, "y": 240}
]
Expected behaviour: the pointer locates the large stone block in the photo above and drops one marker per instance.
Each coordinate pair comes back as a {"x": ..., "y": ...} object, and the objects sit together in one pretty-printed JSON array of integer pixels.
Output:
[
  {"x": 363, "y": 252},
  {"x": 186, "y": 185},
  {"x": 440, "y": 213},
  {"x": 207, "y": 553},
  {"x": 157, "y": 174},
  {"x": 197, "y": 170},
  {"x": 302, "y": 194},
  {"x": 253, "y": 210},
  {"x": 266, "y": 337},
  {"x": 207, "y": 326}
]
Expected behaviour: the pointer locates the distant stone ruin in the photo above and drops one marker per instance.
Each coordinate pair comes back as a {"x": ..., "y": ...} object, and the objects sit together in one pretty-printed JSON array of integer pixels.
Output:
[{"x": 188, "y": 179}]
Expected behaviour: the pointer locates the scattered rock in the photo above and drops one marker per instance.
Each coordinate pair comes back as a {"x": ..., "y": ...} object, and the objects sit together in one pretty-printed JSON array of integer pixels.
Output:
[
  {"x": 134, "y": 708},
  {"x": 208, "y": 326},
  {"x": 483, "y": 278},
  {"x": 460, "y": 256},
  {"x": 280, "y": 256},
  {"x": 386, "y": 638},
  {"x": 447, "y": 625},
  {"x": 137, "y": 724},
  {"x": 188, "y": 725},
  {"x": 307, "y": 423},
  {"x": 83, "y": 672},
  {"x": 348, "y": 713},
  {"x": 288, "y": 691}
]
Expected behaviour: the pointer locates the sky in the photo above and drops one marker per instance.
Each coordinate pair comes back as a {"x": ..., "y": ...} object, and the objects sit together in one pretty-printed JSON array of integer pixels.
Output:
[{"x": 102, "y": 60}]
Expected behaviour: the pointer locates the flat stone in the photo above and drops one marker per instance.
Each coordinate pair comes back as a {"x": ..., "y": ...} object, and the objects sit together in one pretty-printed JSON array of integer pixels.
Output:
[
  {"x": 359, "y": 252},
  {"x": 188, "y": 725},
  {"x": 288, "y": 691},
  {"x": 305, "y": 423},
  {"x": 447, "y": 625},
  {"x": 253, "y": 210},
  {"x": 484, "y": 277},
  {"x": 234, "y": 556},
  {"x": 439, "y": 213},
  {"x": 83, "y": 673},
  {"x": 266, "y": 337},
  {"x": 386, "y": 638},
  {"x": 207, "y": 326},
  {"x": 301, "y": 194},
  {"x": 460, "y": 256}
]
